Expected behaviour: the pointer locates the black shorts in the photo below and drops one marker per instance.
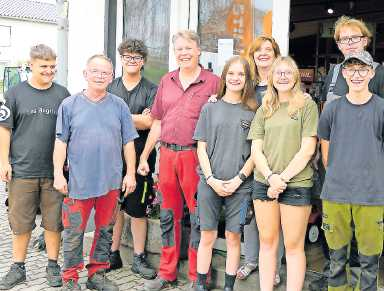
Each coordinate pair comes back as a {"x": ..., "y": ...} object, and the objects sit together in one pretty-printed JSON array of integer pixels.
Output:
[
  {"x": 135, "y": 204},
  {"x": 296, "y": 196}
]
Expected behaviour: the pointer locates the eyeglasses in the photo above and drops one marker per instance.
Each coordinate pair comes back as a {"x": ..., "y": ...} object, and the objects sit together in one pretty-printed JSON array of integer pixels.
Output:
[
  {"x": 287, "y": 74},
  {"x": 351, "y": 39},
  {"x": 134, "y": 59},
  {"x": 101, "y": 74},
  {"x": 363, "y": 72}
]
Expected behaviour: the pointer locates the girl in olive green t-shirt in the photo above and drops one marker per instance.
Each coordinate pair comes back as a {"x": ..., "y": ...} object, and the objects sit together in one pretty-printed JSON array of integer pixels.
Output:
[{"x": 283, "y": 135}]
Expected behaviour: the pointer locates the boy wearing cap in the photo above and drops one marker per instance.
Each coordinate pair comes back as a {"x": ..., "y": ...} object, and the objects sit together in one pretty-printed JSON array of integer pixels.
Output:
[{"x": 351, "y": 130}]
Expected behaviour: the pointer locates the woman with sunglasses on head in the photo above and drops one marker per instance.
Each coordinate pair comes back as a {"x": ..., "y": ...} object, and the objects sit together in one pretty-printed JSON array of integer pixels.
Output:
[
  {"x": 225, "y": 167},
  {"x": 283, "y": 135}
]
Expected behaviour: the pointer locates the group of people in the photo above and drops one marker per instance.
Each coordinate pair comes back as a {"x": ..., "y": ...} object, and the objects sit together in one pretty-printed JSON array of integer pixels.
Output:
[{"x": 96, "y": 150}]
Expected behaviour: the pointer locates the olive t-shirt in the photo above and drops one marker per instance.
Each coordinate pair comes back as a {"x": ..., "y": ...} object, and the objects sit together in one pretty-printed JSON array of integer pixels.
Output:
[{"x": 282, "y": 135}]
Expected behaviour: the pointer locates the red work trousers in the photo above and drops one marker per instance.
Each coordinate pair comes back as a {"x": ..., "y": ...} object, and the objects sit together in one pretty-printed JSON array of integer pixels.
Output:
[
  {"x": 75, "y": 217},
  {"x": 177, "y": 177}
]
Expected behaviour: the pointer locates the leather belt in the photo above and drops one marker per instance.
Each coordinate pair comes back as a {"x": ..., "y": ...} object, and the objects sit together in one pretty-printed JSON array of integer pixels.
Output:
[{"x": 176, "y": 147}]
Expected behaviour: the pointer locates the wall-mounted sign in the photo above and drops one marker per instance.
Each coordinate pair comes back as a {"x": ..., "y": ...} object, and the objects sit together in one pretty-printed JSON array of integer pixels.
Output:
[
  {"x": 239, "y": 20},
  {"x": 307, "y": 75}
]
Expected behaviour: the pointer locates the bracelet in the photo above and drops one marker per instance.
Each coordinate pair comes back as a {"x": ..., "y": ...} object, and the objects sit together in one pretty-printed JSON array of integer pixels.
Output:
[
  {"x": 210, "y": 176},
  {"x": 269, "y": 176}
]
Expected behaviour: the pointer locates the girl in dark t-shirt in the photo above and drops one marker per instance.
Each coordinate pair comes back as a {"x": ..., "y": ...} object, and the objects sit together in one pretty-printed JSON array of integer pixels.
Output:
[{"x": 225, "y": 166}]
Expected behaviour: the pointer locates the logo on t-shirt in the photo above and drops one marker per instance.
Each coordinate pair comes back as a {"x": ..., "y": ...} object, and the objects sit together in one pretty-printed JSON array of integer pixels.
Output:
[
  {"x": 245, "y": 124},
  {"x": 5, "y": 113}
]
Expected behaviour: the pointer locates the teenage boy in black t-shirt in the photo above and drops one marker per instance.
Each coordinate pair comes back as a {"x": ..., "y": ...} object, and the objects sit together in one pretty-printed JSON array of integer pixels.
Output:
[
  {"x": 27, "y": 135},
  {"x": 138, "y": 93},
  {"x": 351, "y": 129}
]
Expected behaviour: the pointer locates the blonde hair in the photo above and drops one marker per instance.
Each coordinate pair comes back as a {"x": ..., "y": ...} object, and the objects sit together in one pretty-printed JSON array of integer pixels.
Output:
[
  {"x": 351, "y": 22},
  {"x": 271, "y": 103},
  {"x": 186, "y": 34},
  {"x": 254, "y": 46}
]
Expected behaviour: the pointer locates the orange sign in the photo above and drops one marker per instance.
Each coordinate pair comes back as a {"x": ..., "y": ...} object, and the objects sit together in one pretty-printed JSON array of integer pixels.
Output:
[
  {"x": 267, "y": 23},
  {"x": 239, "y": 21}
]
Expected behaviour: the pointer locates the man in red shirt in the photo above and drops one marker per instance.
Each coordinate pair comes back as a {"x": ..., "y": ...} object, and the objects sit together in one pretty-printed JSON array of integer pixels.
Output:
[{"x": 178, "y": 102}]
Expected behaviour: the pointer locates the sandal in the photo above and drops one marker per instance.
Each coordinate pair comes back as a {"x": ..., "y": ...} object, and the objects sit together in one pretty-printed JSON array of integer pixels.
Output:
[
  {"x": 245, "y": 270},
  {"x": 277, "y": 280}
]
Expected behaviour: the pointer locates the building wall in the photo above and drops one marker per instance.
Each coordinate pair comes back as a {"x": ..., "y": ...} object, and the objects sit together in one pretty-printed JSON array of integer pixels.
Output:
[
  {"x": 25, "y": 34},
  {"x": 86, "y": 34},
  {"x": 85, "y": 38}
]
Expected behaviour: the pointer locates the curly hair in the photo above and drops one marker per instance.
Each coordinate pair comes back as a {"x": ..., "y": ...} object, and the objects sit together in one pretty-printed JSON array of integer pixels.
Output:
[{"x": 133, "y": 46}]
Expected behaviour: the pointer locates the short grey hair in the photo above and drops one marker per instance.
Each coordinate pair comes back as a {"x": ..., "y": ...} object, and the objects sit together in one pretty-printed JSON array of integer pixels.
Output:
[
  {"x": 186, "y": 34},
  {"x": 100, "y": 56},
  {"x": 42, "y": 52}
]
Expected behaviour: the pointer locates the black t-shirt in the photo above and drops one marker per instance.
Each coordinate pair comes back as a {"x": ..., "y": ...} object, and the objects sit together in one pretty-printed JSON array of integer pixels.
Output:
[
  {"x": 259, "y": 93},
  {"x": 139, "y": 98},
  {"x": 356, "y": 151},
  {"x": 32, "y": 119},
  {"x": 376, "y": 85}
]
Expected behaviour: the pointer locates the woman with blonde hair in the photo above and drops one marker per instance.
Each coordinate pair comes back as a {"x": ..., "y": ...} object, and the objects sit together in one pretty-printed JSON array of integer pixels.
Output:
[
  {"x": 260, "y": 55},
  {"x": 283, "y": 135}
]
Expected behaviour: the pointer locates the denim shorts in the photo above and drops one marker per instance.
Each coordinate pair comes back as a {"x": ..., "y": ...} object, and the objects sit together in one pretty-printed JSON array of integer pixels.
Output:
[{"x": 296, "y": 196}]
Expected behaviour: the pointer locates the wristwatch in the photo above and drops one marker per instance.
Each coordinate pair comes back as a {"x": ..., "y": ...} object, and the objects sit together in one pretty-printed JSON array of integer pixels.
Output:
[{"x": 242, "y": 177}]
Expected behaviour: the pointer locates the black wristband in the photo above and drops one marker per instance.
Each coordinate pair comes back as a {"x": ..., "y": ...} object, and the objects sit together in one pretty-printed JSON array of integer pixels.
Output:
[
  {"x": 242, "y": 177},
  {"x": 209, "y": 177}
]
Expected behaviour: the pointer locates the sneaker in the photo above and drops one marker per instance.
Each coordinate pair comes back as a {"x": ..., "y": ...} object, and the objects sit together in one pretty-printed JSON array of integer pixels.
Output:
[
  {"x": 15, "y": 275},
  {"x": 115, "y": 261},
  {"x": 158, "y": 284},
  {"x": 99, "y": 281},
  {"x": 140, "y": 266},
  {"x": 71, "y": 285},
  {"x": 54, "y": 276}
]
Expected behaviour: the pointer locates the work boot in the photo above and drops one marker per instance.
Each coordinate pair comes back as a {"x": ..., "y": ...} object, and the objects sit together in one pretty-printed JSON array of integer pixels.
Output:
[
  {"x": 115, "y": 261},
  {"x": 54, "y": 275},
  {"x": 320, "y": 284},
  {"x": 158, "y": 284},
  {"x": 140, "y": 266},
  {"x": 71, "y": 285},
  {"x": 229, "y": 282},
  {"x": 196, "y": 286},
  {"x": 200, "y": 284},
  {"x": 100, "y": 282},
  {"x": 15, "y": 275}
]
